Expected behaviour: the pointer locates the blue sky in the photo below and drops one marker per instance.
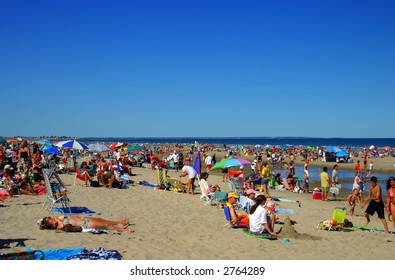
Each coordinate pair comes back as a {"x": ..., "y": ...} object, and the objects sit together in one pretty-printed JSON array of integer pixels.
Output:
[{"x": 197, "y": 68}]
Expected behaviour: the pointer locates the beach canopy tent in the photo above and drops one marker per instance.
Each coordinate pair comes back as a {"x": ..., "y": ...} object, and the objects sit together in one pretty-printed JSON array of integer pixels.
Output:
[
  {"x": 72, "y": 144},
  {"x": 333, "y": 149}
]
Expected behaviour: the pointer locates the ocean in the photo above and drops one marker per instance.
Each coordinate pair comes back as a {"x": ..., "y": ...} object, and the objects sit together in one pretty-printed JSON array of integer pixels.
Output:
[{"x": 296, "y": 141}]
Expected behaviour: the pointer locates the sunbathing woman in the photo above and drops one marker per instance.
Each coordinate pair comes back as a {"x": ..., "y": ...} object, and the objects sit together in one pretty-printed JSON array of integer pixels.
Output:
[{"x": 78, "y": 224}]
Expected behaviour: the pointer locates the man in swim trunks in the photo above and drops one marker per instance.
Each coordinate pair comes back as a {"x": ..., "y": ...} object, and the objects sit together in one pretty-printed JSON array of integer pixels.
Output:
[{"x": 375, "y": 203}]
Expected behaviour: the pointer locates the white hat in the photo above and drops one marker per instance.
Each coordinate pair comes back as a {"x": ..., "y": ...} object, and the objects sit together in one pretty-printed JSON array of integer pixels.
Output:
[{"x": 9, "y": 167}]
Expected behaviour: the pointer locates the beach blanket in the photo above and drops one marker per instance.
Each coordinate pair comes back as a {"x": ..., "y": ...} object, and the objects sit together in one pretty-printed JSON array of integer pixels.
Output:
[
  {"x": 75, "y": 211},
  {"x": 284, "y": 211},
  {"x": 372, "y": 229},
  {"x": 259, "y": 235},
  {"x": 97, "y": 254},
  {"x": 60, "y": 254},
  {"x": 146, "y": 184}
]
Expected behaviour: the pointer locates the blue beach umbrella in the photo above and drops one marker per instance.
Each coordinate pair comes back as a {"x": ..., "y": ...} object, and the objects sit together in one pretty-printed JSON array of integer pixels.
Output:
[
  {"x": 72, "y": 144},
  {"x": 341, "y": 154},
  {"x": 333, "y": 149},
  {"x": 53, "y": 151}
]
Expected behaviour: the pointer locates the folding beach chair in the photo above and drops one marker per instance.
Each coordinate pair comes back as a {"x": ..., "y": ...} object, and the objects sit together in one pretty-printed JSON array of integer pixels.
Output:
[
  {"x": 220, "y": 198},
  {"x": 337, "y": 221},
  {"x": 235, "y": 184},
  {"x": 56, "y": 190},
  {"x": 161, "y": 177},
  {"x": 229, "y": 219},
  {"x": 206, "y": 195}
]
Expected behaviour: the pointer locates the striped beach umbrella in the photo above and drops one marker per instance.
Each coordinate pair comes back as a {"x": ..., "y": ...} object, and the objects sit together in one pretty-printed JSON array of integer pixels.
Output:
[{"x": 72, "y": 144}]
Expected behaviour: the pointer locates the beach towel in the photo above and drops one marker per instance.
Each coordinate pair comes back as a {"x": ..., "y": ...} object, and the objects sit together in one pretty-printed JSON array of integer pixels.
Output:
[
  {"x": 259, "y": 235},
  {"x": 75, "y": 211},
  {"x": 372, "y": 229},
  {"x": 59, "y": 254},
  {"x": 146, "y": 184},
  {"x": 97, "y": 254}
]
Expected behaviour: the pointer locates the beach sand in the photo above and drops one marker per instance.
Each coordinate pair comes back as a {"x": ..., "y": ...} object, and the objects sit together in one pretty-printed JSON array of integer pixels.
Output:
[{"x": 176, "y": 226}]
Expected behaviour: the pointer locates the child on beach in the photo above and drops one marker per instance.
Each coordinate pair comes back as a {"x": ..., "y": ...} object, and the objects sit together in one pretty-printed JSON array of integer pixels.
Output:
[{"x": 352, "y": 201}]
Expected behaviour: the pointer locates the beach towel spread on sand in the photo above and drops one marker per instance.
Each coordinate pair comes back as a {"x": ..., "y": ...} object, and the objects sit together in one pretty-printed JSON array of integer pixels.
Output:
[
  {"x": 60, "y": 254},
  {"x": 372, "y": 229},
  {"x": 259, "y": 235},
  {"x": 97, "y": 254},
  {"x": 75, "y": 211}
]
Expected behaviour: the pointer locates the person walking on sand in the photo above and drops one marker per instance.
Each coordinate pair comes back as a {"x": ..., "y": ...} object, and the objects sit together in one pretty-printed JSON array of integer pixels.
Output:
[
  {"x": 335, "y": 181},
  {"x": 376, "y": 203},
  {"x": 325, "y": 183}
]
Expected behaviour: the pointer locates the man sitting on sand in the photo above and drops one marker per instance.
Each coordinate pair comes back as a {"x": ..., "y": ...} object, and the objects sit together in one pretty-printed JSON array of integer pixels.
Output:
[
  {"x": 237, "y": 219},
  {"x": 376, "y": 203}
]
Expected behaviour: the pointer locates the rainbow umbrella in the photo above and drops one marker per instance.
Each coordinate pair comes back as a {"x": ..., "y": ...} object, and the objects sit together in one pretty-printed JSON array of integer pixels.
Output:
[{"x": 231, "y": 162}]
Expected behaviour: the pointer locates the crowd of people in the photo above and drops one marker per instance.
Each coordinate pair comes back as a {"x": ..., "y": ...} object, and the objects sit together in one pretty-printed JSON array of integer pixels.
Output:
[{"x": 22, "y": 166}]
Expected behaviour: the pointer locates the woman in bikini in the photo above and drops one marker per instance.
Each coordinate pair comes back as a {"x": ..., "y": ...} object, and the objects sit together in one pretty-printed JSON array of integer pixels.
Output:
[
  {"x": 390, "y": 201},
  {"x": 77, "y": 224}
]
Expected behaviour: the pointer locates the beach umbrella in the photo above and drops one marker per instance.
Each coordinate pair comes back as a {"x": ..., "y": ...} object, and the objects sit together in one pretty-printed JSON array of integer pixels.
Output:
[
  {"x": 44, "y": 142},
  {"x": 53, "y": 151},
  {"x": 387, "y": 147},
  {"x": 231, "y": 162},
  {"x": 197, "y": 165},
  {"x": 115, "y": 145},
  {"x": 372, "y": 147},
  {"x": 333, "y": 149},
  {"x": 14, "y": 140},
  {"x": 2, "y": 141},
  {"x": 98, "y": 147},
  {"x": 341, "y": 154},
  {"x": 135, "y": 148},
  {"x": 72, "y": 144}
]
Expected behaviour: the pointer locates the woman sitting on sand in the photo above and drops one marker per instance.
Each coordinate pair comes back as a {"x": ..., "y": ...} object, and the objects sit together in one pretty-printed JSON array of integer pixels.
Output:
[
  {"x": 262, "y": 216},
  {"x": 16, "y": 185},
  {"x": 78, "y": 224}
]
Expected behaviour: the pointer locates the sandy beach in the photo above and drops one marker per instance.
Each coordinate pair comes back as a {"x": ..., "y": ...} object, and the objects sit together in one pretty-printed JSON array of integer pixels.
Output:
[{"x": 177, "y": 226}]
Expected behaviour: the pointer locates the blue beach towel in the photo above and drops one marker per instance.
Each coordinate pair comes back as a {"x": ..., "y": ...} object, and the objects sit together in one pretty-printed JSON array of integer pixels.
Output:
[
  {"x": 75, "y": 211},
  {"x": 59, "y": 254}
]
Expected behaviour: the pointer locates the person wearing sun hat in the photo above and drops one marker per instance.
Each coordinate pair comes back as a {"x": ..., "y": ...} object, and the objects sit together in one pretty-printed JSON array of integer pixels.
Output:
[
  {"x": 251, "y": 197},
  {"x": 237, "y": 219}
]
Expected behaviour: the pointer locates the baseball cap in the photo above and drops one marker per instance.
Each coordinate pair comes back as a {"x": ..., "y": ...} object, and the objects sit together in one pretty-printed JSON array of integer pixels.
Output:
[{"x": 232, "y": 194}]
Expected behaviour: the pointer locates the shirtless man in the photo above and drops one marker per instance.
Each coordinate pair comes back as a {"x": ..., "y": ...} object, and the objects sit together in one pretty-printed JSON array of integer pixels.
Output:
[{"x": 375, "y": 203}]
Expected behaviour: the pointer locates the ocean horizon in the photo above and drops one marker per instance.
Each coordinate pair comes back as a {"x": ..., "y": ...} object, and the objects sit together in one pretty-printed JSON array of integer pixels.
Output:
[{"x": 296, "y": 141}]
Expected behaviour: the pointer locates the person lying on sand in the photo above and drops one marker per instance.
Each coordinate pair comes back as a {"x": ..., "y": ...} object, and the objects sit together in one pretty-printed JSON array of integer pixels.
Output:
[{"x": 77, "y": 224}]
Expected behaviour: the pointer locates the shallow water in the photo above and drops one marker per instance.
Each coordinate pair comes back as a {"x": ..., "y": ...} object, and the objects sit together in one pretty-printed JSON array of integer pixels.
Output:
[{"x": 343, "y": 174}]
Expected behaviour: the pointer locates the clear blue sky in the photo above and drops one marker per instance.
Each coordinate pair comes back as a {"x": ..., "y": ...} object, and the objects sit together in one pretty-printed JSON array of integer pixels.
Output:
[{"x": 197, "y": 68}]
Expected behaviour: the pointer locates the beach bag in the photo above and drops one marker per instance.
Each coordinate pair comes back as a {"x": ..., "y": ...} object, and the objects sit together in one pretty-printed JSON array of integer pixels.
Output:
[{"x": 94, "y": 184}]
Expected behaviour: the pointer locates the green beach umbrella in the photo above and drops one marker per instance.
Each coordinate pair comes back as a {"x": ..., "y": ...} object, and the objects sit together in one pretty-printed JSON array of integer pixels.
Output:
[
  {"x": 2, "y": 141},
  {"x": 135, "y": 148}
]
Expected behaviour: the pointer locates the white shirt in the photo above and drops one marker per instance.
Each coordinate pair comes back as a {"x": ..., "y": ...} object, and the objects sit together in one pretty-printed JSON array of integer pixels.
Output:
[
  {"x": 257, "y": 219},
  {"x": 208, "y": 160},
  {"x": 190, "y": 171}
]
